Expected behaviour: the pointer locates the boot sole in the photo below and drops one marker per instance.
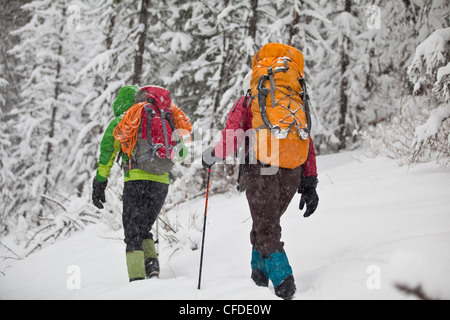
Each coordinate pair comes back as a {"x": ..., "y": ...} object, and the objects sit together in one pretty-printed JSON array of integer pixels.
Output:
[{"x": 154, "y": 274}]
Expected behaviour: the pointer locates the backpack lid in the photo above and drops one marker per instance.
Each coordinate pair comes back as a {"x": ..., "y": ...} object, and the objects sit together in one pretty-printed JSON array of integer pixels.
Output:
[
  {"x": 273, "y": 51},
  {"x": 124, "y": 100},
  {"x": 160, "y": 95}
]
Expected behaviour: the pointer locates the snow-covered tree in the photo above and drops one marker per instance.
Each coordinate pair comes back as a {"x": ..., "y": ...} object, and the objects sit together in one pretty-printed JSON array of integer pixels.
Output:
[
  {"x": 6, "y": 196},
  {"x": 418, "y": 130},
  {"x": 208, "y": 58},
  {"x": 48, "y": 117},
  {"x": 11, "y": 18},
  {"x": 430, "y": 74},
  {"x": 110, "y": 55},
  {"x": 340, "y": 76}
]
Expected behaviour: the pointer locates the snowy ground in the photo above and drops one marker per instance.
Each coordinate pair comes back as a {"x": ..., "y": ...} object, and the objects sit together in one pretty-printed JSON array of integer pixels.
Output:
[{"x": 377, "y": 224}]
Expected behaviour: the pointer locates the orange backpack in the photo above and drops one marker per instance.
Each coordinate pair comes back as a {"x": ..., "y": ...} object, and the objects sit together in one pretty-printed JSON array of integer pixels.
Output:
[{"x": 280, "y": 116}]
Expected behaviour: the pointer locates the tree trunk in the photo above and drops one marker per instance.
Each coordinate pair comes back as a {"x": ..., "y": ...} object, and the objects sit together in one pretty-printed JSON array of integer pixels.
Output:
[
  {"x": 343, "y": 102},
  {"x": 51, "y": 132},
  {"x": 139, "y": 57},
  {"x": 253, "y": 20},
  {"x": 293, "y": 27},
  {"x": 224, "y": 73},
  {"x": 226, "y": 50}
]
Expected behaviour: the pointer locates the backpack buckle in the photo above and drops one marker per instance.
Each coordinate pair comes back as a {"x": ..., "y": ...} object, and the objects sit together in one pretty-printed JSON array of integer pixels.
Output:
[
  {"x": 303, "y": 134},
  {"x": 279, "y": 133}
]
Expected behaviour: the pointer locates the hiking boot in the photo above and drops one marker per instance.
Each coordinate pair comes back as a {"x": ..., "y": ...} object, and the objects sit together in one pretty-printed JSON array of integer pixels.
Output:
[
  {"x": 286, "y": 289},
  {"x": 259, "y": 272},
  {"x": 151, "y": 268},
  {"x": 151, "y": 258},
  {"x": 280, "y": 273}
]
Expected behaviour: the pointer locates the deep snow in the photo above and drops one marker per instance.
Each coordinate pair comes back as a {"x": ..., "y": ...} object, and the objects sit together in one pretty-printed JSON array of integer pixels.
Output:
[{"x": 377, "y": 224}]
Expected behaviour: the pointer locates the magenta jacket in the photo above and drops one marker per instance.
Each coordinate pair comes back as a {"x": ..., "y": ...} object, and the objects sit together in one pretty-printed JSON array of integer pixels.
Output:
[{"x": 240, "y": 117}]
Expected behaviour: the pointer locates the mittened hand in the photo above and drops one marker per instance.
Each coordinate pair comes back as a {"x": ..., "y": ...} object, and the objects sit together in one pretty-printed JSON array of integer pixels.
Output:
[
  {"x": 311, "y": 199},
  {"x": 98, "y": 193},
  {"x": 309, "y": 195}
]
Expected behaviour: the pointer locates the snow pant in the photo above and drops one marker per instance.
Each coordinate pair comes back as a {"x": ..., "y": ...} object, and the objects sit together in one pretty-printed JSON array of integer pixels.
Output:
[
  {"x": 142, "y": 202},
  {"x": 268, "y": 197}
]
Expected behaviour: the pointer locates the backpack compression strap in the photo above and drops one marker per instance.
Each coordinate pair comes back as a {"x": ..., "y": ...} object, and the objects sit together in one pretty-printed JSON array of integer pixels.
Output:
[
  {"x": 305, "y": 97},
  {"x": 165, "y": 133},
  {"x": 152, "y": 148},
  {"x": 263, "y": 93},
  {"x": 165, "y": 116}
]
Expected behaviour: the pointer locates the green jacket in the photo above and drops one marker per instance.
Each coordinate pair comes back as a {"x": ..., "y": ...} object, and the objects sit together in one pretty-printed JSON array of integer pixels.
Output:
[{"x": 110, "y": 147}]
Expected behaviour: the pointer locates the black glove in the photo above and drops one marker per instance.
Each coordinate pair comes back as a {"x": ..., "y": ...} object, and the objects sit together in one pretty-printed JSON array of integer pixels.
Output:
[
  {"x": 98, "y": 193},
  {"x": 208, "y": 158},
  {"x": 309, "y": 195}
]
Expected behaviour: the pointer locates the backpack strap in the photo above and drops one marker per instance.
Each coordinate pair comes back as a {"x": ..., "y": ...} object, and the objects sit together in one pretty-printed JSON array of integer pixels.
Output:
[
  {"x": 235, "y": 105},
  {"x": 305, "y": 97},
  {"x": 263, "y": 93},
  {"x": 170, "y": 120},
  {"x": 271, "y": 73},
  {"x": 248, "y": 96},
  {"x": 149, "y": 111},
  {"x": 148, "y": 155},
  {"x": 165, "y": 132},
  {"x": 273, "y": 87}
]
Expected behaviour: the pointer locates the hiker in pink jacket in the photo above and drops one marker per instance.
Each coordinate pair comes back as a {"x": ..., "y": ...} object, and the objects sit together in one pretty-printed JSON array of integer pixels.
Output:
[{"x": 268, "y": 197}]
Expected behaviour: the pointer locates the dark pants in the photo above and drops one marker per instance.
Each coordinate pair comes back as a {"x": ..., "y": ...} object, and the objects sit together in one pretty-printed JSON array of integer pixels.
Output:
[
  {"x": 268, "y": 197},
  {"x": 142, "y": 202}
]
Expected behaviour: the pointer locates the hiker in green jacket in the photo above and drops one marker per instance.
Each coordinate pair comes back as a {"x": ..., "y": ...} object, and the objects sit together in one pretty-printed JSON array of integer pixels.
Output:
[{"x": 146, "y": 182}]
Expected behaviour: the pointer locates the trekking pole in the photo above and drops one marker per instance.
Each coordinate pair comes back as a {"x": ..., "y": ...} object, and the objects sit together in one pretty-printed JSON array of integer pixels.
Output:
[
  {"x": 157, "y": 237},
  {"x": 204, "y": 229}
]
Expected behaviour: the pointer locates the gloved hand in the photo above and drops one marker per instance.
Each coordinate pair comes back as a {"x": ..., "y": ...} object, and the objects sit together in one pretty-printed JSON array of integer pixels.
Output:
[
  {"x": 208, "y": 158},
  {"x": 98, "y": 193},
  {"x": 309, "y": 195}
]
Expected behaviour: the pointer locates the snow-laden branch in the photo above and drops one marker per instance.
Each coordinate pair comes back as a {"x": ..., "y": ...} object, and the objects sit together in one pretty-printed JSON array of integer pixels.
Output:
[
  {"x": 430, "y": 56},
  {"x": 432, "y": 126}
]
